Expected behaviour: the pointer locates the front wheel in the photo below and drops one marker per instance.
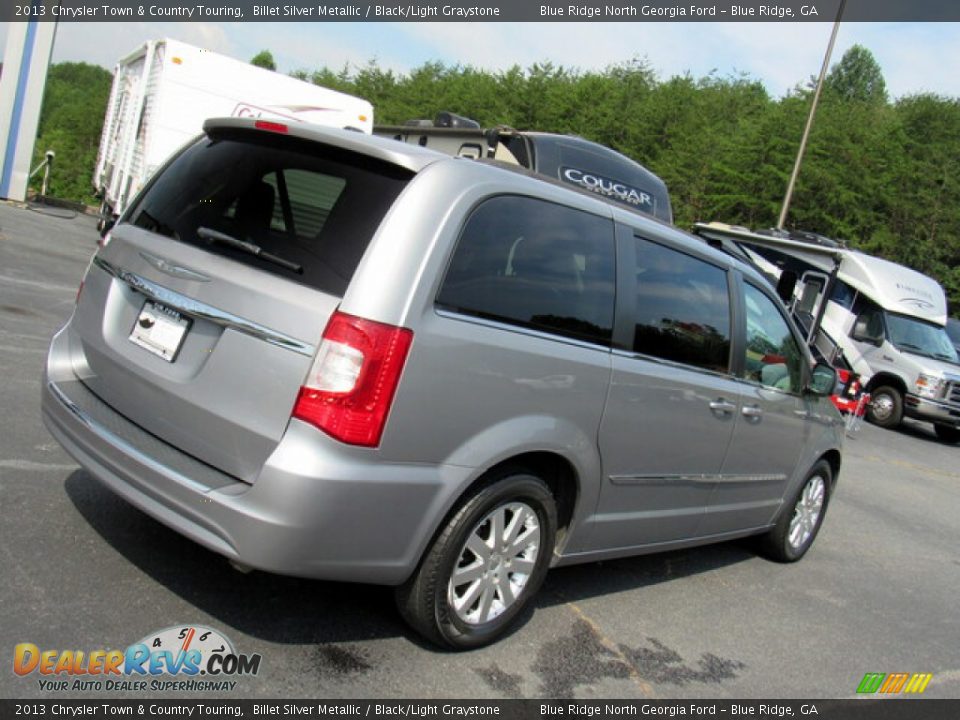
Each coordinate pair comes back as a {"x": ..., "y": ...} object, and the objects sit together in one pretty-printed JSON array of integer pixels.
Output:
[
  {"x": 886, "y": 407},
  {"x": 800, "y": 521},
  {"x": 104, "y": 215},
  {"x": 947, "y": 433},
  {"x": 484, "y": 566}
]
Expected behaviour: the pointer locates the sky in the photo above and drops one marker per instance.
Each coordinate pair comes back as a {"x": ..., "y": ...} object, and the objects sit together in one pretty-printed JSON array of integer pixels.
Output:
[{"x": 914, "y": 57}]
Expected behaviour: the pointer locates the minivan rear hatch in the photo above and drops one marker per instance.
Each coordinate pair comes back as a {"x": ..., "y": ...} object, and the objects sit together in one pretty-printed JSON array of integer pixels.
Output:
[{"x": 198, "y": 320}]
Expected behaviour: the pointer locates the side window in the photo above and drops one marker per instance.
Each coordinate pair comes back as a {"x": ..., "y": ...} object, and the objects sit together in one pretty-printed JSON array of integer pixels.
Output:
[
  {"x": 843, "y": 295},
  {"x": 773, "y": 357},
  {"x": 868, "y": 318},
  {"x": 535, "y": 264},
  {"x": 682, "y": 308}
]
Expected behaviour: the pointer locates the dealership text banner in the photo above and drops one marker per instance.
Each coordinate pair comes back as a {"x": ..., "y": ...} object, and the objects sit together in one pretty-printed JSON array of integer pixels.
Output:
[{"x": 476, "y": 10}]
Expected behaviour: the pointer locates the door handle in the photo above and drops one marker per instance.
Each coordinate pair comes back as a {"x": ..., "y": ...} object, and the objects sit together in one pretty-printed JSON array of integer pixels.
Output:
[
  {"x": 722, "y": 406},
  {"x": 751, "y": 412}
]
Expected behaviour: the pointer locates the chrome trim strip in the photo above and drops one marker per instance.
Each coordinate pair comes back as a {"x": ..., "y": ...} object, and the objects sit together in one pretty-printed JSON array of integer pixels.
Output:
[
  {"x": 198, "y": 309},
  {"x": 663, "y": 479},
  {"x": 654, "y": 480},
  {"x": 118, "y": 442},
  {"x": 630, "y": 355},
  {"x": 753, "y": 479},
  {"x": 519, "y": 329}
]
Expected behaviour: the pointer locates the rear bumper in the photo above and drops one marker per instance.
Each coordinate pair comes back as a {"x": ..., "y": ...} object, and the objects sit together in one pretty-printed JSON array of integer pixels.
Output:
[
  {"x": 317, "y": 509},
  {"x": 931, "y": 411}
]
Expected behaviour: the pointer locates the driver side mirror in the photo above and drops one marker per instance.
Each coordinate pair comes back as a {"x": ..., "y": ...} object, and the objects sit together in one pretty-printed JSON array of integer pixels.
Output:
[
  {"x": 862, "y": 332},
  {"x": 823, "y": 380}
]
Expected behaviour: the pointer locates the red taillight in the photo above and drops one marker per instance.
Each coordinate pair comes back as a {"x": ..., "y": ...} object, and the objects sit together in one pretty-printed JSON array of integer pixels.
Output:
[
  {"x": 76, "y": 300},
  {"x": 350, "y": 387},
  {"x": 271, "y": 126}
]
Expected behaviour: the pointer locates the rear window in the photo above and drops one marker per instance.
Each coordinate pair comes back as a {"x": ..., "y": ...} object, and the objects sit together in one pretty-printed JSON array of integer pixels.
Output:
[{"x": 312, "y": 206}]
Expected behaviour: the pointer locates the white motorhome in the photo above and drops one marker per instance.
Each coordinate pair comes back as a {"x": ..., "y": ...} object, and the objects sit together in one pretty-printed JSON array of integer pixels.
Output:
[
  {"x": 164, "y": 90},
  {"x": 884, "y": 321}
]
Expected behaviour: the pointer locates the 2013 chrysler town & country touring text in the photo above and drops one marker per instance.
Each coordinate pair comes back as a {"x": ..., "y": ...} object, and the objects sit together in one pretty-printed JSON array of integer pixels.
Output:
[{"x": 335, "y": 356}]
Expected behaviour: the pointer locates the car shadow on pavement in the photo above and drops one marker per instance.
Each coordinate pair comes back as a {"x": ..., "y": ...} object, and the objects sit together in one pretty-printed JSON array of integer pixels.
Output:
[
  {"x": 919, "y": 431},
  {"x": 282, "y": 609}
]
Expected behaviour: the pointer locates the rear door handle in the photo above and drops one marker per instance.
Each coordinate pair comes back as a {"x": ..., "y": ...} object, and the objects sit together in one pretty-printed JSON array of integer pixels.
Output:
[
  {"x": 751, "y": 412},
  {"x": 722, "y": 406}
]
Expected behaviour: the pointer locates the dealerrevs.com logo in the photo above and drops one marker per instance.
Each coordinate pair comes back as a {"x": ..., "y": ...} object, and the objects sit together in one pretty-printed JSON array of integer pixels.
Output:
[{"x": 182, "y": 657}]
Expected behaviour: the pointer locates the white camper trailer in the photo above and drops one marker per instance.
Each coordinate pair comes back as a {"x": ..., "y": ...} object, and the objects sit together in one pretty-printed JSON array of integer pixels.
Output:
[
  {"x": 883, "y": 320},
  {"x": 164, "y": 90}
]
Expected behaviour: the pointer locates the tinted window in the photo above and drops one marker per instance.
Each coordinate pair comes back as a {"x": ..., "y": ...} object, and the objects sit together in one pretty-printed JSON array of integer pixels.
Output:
[
  {"x": 843, "y": 295},
  {"x": 773, "y": 357},
  {"x": 682, "y": 308},
  {"x": 312, "y": 205},
  {"x": 535, "y": 264}
]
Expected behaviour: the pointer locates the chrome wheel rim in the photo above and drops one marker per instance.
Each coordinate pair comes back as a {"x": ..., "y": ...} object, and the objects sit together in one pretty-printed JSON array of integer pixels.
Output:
[
  {"x": 882, "y": 407},
  {"x": 495, "y": 563},
  {"x": 807, "y": 511}
]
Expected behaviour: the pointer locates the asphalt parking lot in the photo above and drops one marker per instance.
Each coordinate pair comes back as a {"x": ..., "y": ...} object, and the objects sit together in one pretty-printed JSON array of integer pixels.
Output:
[{"x": 82, "y": 569}]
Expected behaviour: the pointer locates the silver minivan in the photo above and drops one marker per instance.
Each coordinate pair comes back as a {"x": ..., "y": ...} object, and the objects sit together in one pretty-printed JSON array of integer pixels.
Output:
[{"x": 328, "y": 355}]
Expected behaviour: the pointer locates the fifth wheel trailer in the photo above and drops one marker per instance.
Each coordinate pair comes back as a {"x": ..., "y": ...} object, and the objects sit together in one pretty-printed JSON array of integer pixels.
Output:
[{"x": 164, "y": 90}]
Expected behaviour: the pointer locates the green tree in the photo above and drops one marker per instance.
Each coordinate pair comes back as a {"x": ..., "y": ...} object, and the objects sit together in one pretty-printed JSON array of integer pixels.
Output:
[
  {"x": 880, "y": 175},
  {"x": 74, "y": 105},
  {"x": 264, "y": 59},
  {"x": 857, "y": 77}
]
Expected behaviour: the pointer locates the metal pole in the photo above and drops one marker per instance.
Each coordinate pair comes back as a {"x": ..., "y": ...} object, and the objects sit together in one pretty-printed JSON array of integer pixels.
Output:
[
  {"x": 813, "y": 110},
  {"x": 46, "y": 174}
]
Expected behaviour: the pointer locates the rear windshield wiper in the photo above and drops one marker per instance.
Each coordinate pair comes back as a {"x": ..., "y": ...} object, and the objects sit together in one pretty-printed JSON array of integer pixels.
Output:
[{"x": 248, "y": 247}]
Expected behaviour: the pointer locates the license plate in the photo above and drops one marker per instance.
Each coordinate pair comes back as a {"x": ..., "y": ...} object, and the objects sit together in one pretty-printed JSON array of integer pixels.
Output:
[{"x": 160, "y": 330}]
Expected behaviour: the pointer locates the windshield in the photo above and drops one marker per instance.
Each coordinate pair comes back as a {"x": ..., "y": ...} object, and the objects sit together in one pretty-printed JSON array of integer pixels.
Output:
[
  {"x": 953, "y": 330},
  {"x": 920, "y": 338}
]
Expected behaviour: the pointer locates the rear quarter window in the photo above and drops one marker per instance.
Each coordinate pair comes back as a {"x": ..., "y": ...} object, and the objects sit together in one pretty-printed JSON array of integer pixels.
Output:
[
  {"x": 537, "y": 265},
  {"x": 682, "y": 308},
  {"x": 313, "y": 205}
]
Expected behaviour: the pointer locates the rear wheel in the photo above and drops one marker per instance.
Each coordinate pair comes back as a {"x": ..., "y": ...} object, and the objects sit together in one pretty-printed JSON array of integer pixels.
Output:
[
  {"x": 886, "y": 407},
  {"x": 947, "y": 433},
  {"x": 106, "y": 214},
  {"x": 484, "y": 566},
  {"x": 800, "y": 521}
]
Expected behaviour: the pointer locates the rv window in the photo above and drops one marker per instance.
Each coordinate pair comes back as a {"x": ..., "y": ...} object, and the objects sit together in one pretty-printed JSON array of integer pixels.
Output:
[
  {"x": 813, "y": 285},
  {"x": 868, "y": 327},
  {"x": 843, "y": 295}
]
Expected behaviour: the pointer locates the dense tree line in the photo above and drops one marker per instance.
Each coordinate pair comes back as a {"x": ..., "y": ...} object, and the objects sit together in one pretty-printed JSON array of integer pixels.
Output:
[
  {"x": 74, "y": 105},
  {"x": 881, "y": 175}
]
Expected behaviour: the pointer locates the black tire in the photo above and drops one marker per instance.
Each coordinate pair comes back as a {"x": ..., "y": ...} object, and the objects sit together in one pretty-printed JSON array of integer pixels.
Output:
[
  {"x": 778, "y": 544},
  {"x": 886, "y": 407},
  {"x": 947, "y": 433},
  {"x": 103, "y": 215},
  {"x": 424, "y": 600}
]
